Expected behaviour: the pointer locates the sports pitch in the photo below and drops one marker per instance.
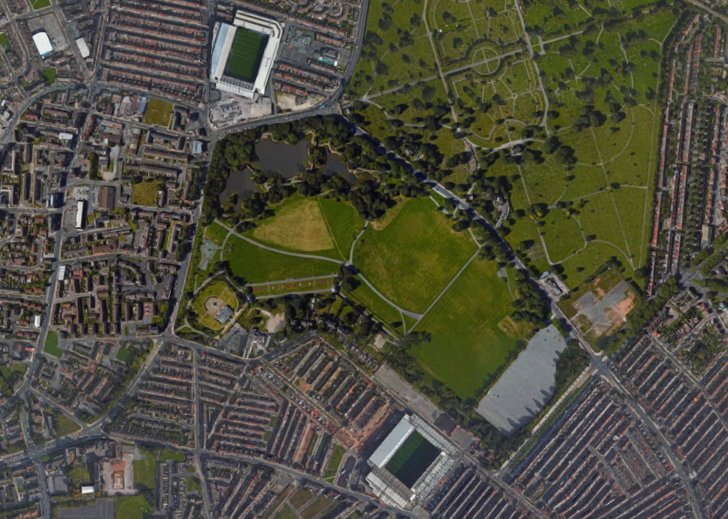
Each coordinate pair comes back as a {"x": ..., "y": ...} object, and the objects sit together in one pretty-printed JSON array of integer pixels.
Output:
[
  {"x": 411, "y": 460},
  {"x": 245, "y": 55}
]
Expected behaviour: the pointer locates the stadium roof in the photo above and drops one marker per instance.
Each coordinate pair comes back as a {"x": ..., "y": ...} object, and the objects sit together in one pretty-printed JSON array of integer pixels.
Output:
[
  {"x": 391, "y": 443},
  {"x": 42, "y": 43}
]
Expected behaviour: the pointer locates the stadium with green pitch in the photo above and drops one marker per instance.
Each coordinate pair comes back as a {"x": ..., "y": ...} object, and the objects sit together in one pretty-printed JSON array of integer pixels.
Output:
[
  {"x": 243, "y": 54},
  {"x": 409, "y": 462}
]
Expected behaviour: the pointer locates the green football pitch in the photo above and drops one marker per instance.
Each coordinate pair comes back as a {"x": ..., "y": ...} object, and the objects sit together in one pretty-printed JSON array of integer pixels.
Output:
[{"x": 245, "y": 55}]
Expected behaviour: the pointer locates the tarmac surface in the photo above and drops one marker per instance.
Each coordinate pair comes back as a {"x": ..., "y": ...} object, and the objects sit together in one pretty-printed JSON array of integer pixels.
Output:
[
  {"x": 527, "y": 383},
  {"x": 102, "y": 509}
]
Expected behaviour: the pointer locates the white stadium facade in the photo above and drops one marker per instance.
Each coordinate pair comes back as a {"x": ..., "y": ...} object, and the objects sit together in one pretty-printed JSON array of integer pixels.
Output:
[{"x": 223, "y": 37}]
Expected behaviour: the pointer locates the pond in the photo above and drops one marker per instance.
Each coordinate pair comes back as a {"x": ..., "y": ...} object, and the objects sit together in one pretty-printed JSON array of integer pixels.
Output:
[
  {"x": 289, "y": 160},
  {"x": 279, "y": 157},
  {"x": 334, "y": 166},
  {"x": 238, "y": 182}
]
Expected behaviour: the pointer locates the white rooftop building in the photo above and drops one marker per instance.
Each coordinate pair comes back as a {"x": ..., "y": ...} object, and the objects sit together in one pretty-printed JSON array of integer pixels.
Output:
[
  {"x": 83, "y": 48},
  {"x": 42, "y": 43}
]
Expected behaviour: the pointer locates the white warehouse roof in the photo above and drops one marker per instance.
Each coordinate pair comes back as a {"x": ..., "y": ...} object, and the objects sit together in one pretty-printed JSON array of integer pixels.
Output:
[
  {"x": 82, "y": 47},
  {"x": 42, "y": 43}
]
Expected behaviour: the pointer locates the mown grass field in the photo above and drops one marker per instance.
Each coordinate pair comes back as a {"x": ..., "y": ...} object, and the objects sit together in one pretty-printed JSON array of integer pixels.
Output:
[
  {"x": 298, "y": 225},
  {"x": 257, "y": 265},
  {"x": 215, "y": 233},
  {"x": 40, "y": 4},
  {"x": 413, "y": 257},
  {"x": 343, "y": 223},
  {"x": 4, "y": 41},
  {"x": 158, "y": 112},
  {"x": 145, "y": 470},
  {"x": 50, "y": 75},
  {"x": 51, "y": 344},
  {"x": 382, "y": 310},
  {"x": 145, "y": 193},
  {"x": 131, "y": 507},
  {"x": 471, "y": 331}
]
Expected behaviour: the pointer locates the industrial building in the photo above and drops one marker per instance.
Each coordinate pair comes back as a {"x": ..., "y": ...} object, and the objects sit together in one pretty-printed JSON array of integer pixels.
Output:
[
  {"x": 409, "y": 462},
  {"x": 252, "y": 39},
  {"x": 80, "y": 214},
  {"x": 42, "y": 43}
]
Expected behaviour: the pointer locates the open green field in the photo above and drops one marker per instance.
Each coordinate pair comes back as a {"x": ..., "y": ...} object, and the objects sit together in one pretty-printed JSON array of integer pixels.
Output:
[
  {"x": 39, "y": 4},
  {"x": 334, "y": 461},
  {"x": 145, "y": 470},
  {"x": 50, "y": 75},
  {"x": 298, "y": 225},
  {"x": 131, "y": 507},
  {"x": 245, "y": 54},
  {"x": 216, "y": 289},
  {"x": 412, "y": 458},
  {"x": 51, "y": 344},
  {"x": 471, "y": 330},
  {"x": 4, "y": 41},
  {"x": 320, "y": 225},
  {"x": 145, "y": 193},
  {"x": 63, "y": 424},
  {"x": 158, "y": 112},
  {"x": 216, "y": 233},
  {"x": 412, "y": 258},
  {"x": 258, "y": 265},
  {"x": 381, "y": 309},
  {"x": 343, "y": 223}
]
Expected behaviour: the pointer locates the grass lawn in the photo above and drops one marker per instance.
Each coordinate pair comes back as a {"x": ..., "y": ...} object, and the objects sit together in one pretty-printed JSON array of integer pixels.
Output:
[
  {"x": 145, "y": 193},
  {"x": 215, "y": 289},
  {"x": 39, "y": 4},
  {"x": 343, "y": 221},
  {"x": 298, "y": 225},
  {"x": 131, "y": 507},
  {"x": 63, "y": 424},
  {"x": 158, "y": 112},
  {"x": 172, "y": 455},
  {"x": 301, "y": 497},
  {"x": 193, "y": 485},
  {"x": 286, "y": 513},
  {"x": 472, "y": 333},
  {"x": 315, "y": 508},
  {"x": 257, "y": 265},
  {"x": 381, "y": 309},
  {"x": 51, "y": 344},
  {"x": 4, "y": 40},
  {"x": 334, "y": 462},
  {"x": 411, "y": 258},
  {"x": 78, "y": 474},
  {"x": 215, "y": 233},
  {"x": 49, "y": 73},
  {"x": 145, "y": 470},
  {"x": 123, "y": 355}
]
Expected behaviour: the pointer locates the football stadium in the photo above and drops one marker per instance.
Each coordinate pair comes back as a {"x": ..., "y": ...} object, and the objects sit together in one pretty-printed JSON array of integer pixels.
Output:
[
  {"x": 409, "y": 462},
  {"x": 243, "y": 54}
]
